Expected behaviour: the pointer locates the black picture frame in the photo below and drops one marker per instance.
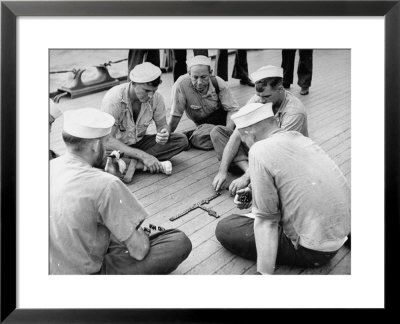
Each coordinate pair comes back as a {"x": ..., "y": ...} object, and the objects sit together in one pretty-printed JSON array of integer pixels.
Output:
[{"x": 10, "y": 10}]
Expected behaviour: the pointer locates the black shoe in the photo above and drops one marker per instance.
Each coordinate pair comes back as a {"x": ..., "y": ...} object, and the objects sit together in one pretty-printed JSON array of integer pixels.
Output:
[
  {"x": 304, "y": 91},
  {"x": 247, "y": 82}
]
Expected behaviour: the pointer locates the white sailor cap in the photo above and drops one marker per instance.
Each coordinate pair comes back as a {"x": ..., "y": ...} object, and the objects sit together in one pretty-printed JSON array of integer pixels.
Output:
[
  {"x": 198, "y": 60},
  {"x": 268, "y": 71},
  {"x": 145, "y": 72},
  {"x": 251, "y": 114},
  {"x": 87, "y": 123}
]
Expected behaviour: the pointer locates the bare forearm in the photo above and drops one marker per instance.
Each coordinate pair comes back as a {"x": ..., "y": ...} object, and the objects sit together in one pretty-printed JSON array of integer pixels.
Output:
[
  {"x": 267, "y": 238},
  {"x": 138, "y": 244},
  {"x": 173, "y": 123},
  {"x": 230, "y": 151},
  {"x": 114, "y": 144}
]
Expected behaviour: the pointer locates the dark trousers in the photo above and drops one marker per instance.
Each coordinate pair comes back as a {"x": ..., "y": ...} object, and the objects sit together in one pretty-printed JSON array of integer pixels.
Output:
[
  {"x": 176, "y": 143},
  {"x": 304, "y": 70},
  {"x": 138, "y": 56},
  {"x": 168, "y": 249},
  {"x": 236, "y": 234},
  {"x": 240, "y": 69},
  {"x": 180, "y": 61}
]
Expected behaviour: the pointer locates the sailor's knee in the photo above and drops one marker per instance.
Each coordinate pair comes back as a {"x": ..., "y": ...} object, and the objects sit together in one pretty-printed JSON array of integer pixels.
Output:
[
  {"x": 223, "y": 229},
  {"x": 180, "y": 140},
  {"x": 216, "y": 133},
  {"x": 183, "y": 245}
]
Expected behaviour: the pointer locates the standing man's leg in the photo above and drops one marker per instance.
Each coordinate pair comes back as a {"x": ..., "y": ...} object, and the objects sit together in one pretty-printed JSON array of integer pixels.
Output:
[
  {"x": 221, "y": 64},
  {"x": 288, "y": 56},
  {"x": 240, "y": 69},
  {"x": 168, "y": 249},
  {"x": 179, "y": 64},
  {"x": 203, "y": 52},
  {"x": 304, "y": 70},
  {"x": 138, "y": 56}
]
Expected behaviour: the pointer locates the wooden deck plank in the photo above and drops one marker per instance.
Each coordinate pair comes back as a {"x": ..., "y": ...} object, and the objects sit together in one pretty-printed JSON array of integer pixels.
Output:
[
  {"x": 198, "y": 254},
  {"x": 236, "y": 266}
]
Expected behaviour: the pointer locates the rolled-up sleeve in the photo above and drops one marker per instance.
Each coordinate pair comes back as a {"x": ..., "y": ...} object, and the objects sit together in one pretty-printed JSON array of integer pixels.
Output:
[
  {"x": 293, "y": 122},
  {"x": 111, "y": 104},
  {"x": 119, "y": 210},
  {"x": 265, "y": 194},
  {"x": 226, "y": 97},
  {"x": 178, "y": 100}
]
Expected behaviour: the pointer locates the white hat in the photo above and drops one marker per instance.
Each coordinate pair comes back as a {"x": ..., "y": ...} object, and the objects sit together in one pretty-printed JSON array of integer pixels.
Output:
[
  {"x": 252, "y": 113},
  {"x": 87, "y": 123},
  {"x": 268, "y": 71},
  {"x": 145, "y": 72},
  {"x": 198, "y": 60}
]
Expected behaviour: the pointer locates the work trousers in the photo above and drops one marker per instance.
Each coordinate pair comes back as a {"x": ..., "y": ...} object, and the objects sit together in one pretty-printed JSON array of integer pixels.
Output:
[
  {"x": 240, "y": 68},
  {"x": 138, "y": 56},
  {"x": 180, "y": 61},
  {"x": 304, "y": 70},
  {"x": 168, "y": 249},
  {"x": 176, "y": 143},
  {"x": 236, "y": 234},
  {"x": 201, "y": 136},
  {"x": 220, "y": 136}
]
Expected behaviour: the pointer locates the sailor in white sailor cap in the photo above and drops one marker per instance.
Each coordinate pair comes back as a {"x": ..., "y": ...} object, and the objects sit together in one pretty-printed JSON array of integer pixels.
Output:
[
  {"x": 288, "y": 110},
  {"x": 300, "y": 199},
  {"x": 206, "y": 100},
  {"x": 134, "y": 105},
  {"x": 94, "y": 218}
]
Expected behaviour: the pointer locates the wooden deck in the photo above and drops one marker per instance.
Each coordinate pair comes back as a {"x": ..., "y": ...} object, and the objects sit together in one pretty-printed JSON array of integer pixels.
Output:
[{"x": 329, "y": 118}]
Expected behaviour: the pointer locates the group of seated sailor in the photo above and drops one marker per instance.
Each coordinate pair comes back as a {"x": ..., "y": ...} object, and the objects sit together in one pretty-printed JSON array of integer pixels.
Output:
[{"x": 299, "y": 198}]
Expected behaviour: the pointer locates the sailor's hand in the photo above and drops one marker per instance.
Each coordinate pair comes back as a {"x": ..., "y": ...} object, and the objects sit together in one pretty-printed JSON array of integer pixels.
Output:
[
  {"x": 151, "y": 163},
  {"x": 162, "y": 136},
  {"x": 243, "y": 198},
  {"x": 219, "y": 181},
  {"x": 238, "y": 184}
]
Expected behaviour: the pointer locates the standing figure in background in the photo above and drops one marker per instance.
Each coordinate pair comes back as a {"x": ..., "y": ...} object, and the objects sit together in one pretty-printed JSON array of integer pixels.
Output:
[
  {"x": 304, "y": 70},
  {"x": 240, "y": 69}
]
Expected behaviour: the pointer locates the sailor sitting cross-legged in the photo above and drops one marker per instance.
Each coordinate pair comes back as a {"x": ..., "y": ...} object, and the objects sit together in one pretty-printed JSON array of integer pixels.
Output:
[
  {"x": 289, "y": 113},
  {"x": 134, "y": 106},
  {"x": 95, "y": 221},
  {"x": 301, "y": 200}
]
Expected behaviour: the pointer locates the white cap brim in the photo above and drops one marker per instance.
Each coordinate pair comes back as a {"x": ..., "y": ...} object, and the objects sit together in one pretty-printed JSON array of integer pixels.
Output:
[{"x": 88, "y": 123}]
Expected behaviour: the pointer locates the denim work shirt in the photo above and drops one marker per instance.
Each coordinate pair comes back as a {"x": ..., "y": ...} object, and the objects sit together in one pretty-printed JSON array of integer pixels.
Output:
[
  {"x": 87, "y": 205},
  {"x": 185, "y": 98},
  {"x": 291, "y": 114},
  {"x": 117, "y": 103},
  {"x": 294, "y": 181}
]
